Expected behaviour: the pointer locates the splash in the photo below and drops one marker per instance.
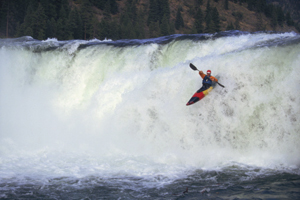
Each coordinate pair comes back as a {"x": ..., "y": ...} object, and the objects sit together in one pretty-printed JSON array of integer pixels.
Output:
[{"x": 83, "y": 107}]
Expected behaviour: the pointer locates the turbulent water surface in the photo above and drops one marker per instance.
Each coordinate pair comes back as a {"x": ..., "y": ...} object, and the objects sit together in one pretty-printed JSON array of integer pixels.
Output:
[{"x": 108, "y": 119}]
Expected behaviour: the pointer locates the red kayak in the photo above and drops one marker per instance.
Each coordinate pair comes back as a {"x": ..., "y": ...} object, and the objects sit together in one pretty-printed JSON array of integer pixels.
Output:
[{"x": 198, "y": 96}]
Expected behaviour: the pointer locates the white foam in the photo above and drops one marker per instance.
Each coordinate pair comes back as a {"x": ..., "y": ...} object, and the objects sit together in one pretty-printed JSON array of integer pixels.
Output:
[{"x": 111, "y": 110}]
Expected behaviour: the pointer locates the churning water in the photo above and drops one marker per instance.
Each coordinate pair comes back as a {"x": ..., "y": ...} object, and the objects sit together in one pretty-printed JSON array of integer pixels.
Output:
[{"x": 108, "y": 119}]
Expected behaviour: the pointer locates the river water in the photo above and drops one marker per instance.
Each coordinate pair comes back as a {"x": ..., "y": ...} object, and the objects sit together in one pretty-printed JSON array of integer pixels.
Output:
[{"x": 108, "y": 119}]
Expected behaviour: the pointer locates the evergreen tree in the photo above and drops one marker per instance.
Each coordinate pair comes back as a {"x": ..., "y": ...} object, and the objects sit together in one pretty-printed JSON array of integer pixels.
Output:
[
  {"x": 114, "y": 30},
  {"x": 280, "y": 16},
  {"x": 260, "y": 5},
  {"x": 50, "y": 8},
  {"x": 114, "y": 7},
  {"x": 179, "y": 20},
  {"x": 274, "y": 19},
  {"x": 259, "y": 25},
  {"x": 72, "y": 23},
  {"x": 216, "y": 19},
  {"x": 131, "y": 10},
  {"x": 158, "y": 8},
  {"x": 28, "y": 31},
  {"x": 107, "y": 10},
  {"x": 199, "y": 21},
  {"x": 226, "y": 5},
  {"x": 62, "y": 32},
  {"x": 86, "y": 16},
  {"x": 237, "y": 24},
  {"x": 51, "y": 29},
  {"x": 269, "y": 10},
  {"x": 198, "y": 3},
  {"x": 165, "y": 27},
  {"x": 153, "y": 12},
  {"x": 208, "y": 11},
  {"x": 26, "y": 28},
  {"x": 99, "y": 3},
  {"x": 39, "y": 23},
  {"x": 104, "y": 29},
  {"x": 7, "y": 18},
  {"x": 164, "y": 9},
  {"x": 127, "y": 28},
  {"x": 94, "y": 28},
  {"x": 230, "y": 27},
  {"x": 289, "y": 20},
  {"x": 139, "y": 25},
  {"x": 210, "y": 25},
  {"x": 154, "y": 30}
]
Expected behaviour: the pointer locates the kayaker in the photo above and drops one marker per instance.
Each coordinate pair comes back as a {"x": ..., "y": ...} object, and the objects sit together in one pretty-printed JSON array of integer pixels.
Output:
[{"x": 207, "y": 80}]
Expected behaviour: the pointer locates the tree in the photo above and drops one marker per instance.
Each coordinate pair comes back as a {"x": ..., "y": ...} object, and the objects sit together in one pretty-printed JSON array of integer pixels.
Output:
[
  {"x": 260, "y": 25},
  {"x": 139, "y": 25},
  {"x": 179, "y": 20},
  {"x": 127, "y": 28},
  {"x": 274, "y": 19},
  {"x": 27, "y": 27},
  {"x": 131, "y": 10},
  {"x": 199, "y": 21},
  {"x": 216, "y": 19},
  {"x": 165, "y": 27},
  {"x": 153, "y": 12},
  {"x": 157, "y": 9},
  {"x": 86, "y": 16},
  {"x": 74, "y": 24},
  {"x": 210, "y": 25},
  {"x": 226, "y": 5},
  {"x": 50, "y": 8},
  {"x": 230, "y": 27},
  {"x": 280, "y": 16},
  {"x": 104, "y": 29},
  {"x": 208, "y": 10},
  {"x": 107, "y": 10},
  {"x": 154, "y": 30},
  {"x": 39, "y": 24},
  {"x": 114, "y": 7},
  {"x": 198, "y": 3},
  {"x": 99, "y": 3},
  {"x": 289, "y": 20},
  {"x": 237, "y": 24},
  {"x": 62, "y": 31},
  {"x": 51, "y": 29},
  {"x": 7, "y": 18},
  {"x": 164, "y": 9}
]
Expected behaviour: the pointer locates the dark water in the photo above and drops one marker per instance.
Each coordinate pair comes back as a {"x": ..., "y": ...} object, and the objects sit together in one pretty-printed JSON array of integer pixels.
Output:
[{"x": 233, "y": 183}]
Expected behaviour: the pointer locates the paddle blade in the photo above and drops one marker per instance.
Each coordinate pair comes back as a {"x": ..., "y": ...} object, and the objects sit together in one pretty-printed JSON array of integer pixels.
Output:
[
  {"x": 220, "y": 84},
  {"x": 193, "y": 67}
]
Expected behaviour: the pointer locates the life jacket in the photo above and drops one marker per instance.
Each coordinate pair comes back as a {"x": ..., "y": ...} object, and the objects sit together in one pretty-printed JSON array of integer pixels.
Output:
[{"x": 207, "y": 80}]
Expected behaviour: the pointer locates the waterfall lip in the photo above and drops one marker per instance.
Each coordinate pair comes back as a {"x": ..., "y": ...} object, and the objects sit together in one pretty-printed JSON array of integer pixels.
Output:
[{"x": 53, "y": 43}]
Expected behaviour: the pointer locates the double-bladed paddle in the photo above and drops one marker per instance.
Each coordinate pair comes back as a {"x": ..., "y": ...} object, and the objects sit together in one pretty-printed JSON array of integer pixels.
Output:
[{"x": 195, "y": 68}]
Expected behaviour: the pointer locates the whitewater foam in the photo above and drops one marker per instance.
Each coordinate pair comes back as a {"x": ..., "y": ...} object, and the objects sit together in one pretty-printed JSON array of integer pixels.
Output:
[{"x": 73, "y": 111}]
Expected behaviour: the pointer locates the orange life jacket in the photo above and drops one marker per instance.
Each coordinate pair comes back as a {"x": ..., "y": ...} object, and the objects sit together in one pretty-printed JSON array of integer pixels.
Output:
[{"x": 211, "y": 77}]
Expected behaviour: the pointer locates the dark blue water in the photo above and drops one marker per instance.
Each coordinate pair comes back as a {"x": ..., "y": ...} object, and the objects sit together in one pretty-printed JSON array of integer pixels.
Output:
[{"x": 230, "y": 183}]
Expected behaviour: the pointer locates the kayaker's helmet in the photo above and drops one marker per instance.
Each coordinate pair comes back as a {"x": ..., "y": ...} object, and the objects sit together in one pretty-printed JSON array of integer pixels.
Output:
[{"x": 208, "y": 72}]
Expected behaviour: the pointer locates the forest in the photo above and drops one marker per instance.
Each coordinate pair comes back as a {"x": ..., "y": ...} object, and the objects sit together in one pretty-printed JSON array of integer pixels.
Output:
[{"x": 129, "y": 19}]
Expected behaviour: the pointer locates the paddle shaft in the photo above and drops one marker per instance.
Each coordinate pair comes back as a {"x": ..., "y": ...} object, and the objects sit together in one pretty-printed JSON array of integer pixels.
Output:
[{"x": 195, "y": 68}]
